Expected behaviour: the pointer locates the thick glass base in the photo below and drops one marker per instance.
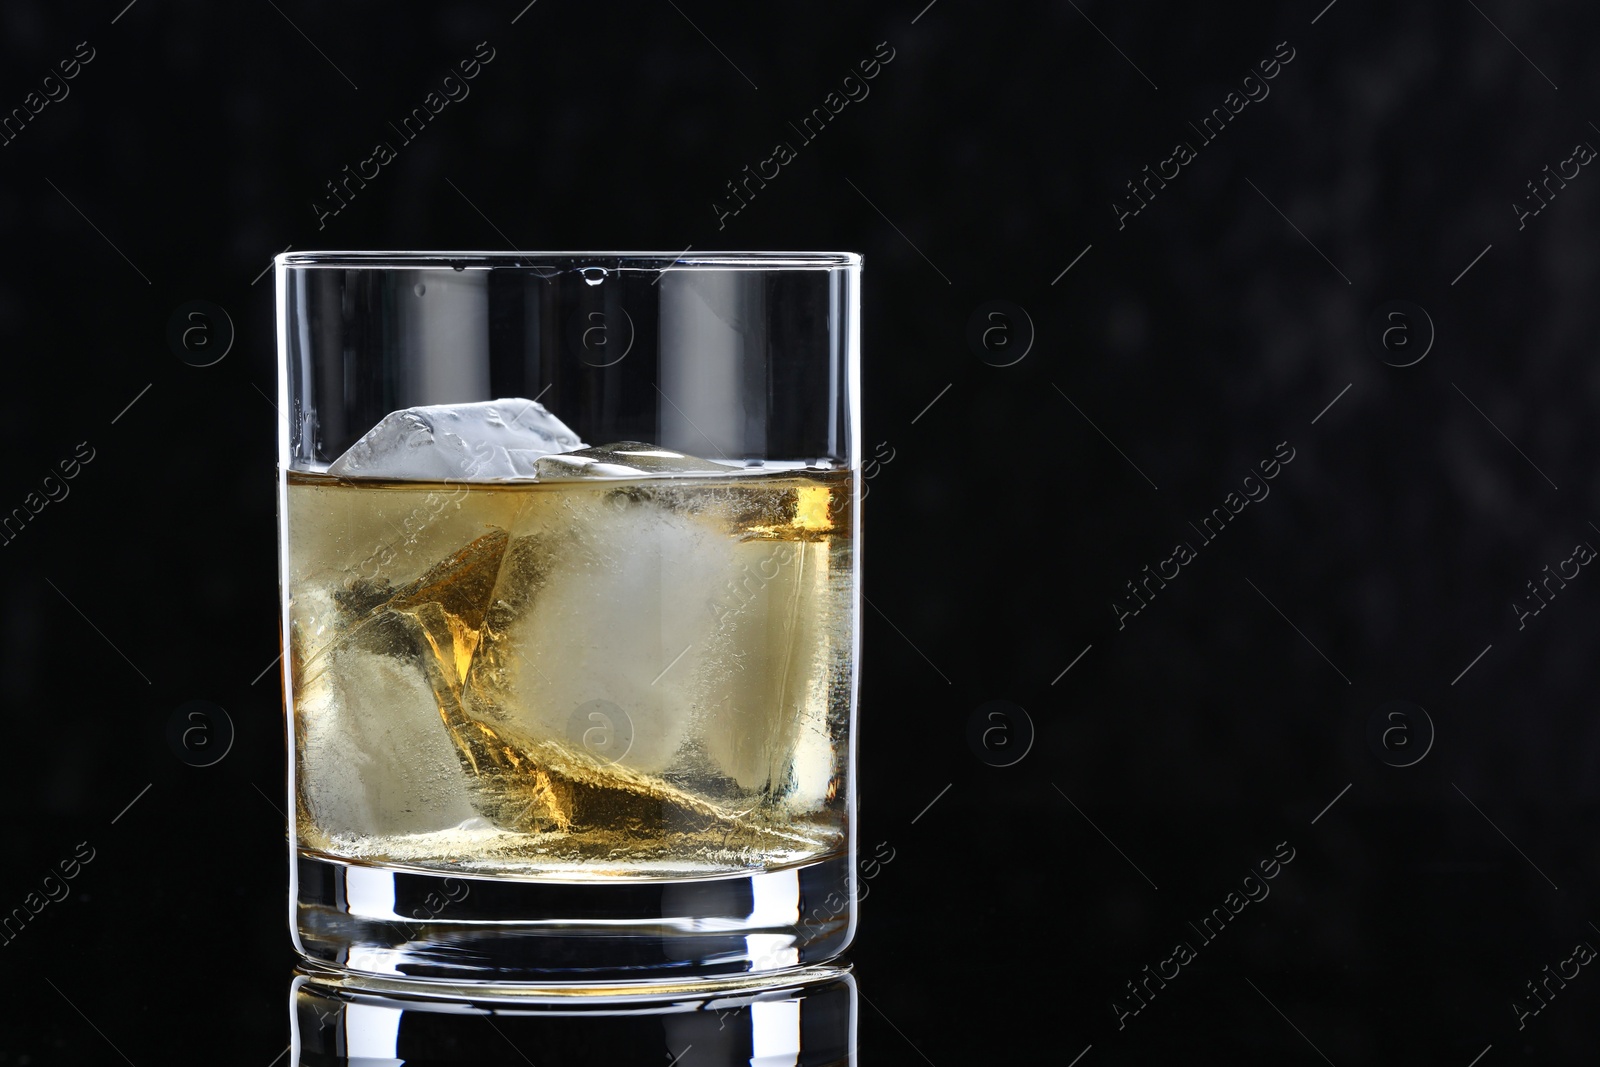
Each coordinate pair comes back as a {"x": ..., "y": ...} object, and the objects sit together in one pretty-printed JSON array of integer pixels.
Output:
[
  {"x": 807, "y": 1021},
  {"x": 419, "y": 926}
]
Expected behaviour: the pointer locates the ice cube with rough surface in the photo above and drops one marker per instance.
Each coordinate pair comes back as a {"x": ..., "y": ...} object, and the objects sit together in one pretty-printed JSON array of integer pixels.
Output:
[{"x": 481, "y": 441}]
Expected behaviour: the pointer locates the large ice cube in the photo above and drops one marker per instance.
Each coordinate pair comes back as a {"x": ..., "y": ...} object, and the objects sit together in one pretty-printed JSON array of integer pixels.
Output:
[
  {"x": 480, "y": 441},
  {"x": 602, "y": 605}
]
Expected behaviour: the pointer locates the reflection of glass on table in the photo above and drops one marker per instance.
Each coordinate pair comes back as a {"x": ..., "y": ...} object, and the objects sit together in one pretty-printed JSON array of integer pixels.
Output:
[{"x": 338, "y": 1021}]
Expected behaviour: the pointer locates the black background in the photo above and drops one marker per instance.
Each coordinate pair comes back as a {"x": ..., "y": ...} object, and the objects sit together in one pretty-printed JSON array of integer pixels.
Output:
[{"x": 1177, "y": 752}]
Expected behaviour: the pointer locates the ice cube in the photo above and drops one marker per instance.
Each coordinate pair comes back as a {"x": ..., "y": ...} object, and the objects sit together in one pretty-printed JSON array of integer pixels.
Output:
[
  {"x": 603, "y": 605},
  {"x": 622, "y": 459},
  {"x": 368, "y": 730},
  {"x": 481, "y": 441}
]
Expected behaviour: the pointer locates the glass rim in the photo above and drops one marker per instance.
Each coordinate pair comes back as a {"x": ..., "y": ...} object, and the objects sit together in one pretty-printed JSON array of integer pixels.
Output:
[{"x": 355, "y": 259}]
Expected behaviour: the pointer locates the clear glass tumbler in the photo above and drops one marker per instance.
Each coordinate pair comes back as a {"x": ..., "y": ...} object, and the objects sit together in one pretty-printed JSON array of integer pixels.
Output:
[{"x": 569, "y": 553}]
